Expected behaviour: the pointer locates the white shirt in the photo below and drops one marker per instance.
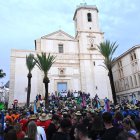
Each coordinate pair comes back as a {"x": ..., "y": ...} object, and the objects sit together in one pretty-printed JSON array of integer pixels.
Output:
[{"x": 41, "y": 131}]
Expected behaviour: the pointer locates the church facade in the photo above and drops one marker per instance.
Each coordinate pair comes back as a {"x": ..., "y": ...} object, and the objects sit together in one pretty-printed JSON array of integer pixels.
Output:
[{"x": 78, "y": 64}]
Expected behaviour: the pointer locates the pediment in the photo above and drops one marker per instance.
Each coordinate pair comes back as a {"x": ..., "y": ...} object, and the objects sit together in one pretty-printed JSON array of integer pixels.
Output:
[{"x": 59, "y": 35}]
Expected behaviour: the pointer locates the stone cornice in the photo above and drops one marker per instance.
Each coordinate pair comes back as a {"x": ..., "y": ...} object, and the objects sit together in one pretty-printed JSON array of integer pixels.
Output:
[
  {"x": 88, "y": 32},
  {"x": 127, "y": 52},
  {"x": 59, "y": 31},
  {"x": 60, "y": 39}
]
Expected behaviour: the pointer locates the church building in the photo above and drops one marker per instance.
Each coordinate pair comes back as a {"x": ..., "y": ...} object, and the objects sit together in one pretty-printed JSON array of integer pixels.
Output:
[{"x": 78, "y": 65}]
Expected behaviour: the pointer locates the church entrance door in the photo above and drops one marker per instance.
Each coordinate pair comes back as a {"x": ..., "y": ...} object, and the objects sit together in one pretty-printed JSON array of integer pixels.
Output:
[{"x": 62, "y": 87}]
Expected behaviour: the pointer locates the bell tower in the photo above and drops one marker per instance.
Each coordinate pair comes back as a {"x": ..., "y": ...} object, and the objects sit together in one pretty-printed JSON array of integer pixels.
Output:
[
  {"x": 88, "y": 33},
  {"x": 89, "y": 36},
  {"x": 86, "y": 19}
]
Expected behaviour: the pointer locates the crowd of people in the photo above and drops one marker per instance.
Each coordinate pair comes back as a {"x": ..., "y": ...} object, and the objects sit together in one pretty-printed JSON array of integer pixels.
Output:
[{"x": 72, "y": 117}]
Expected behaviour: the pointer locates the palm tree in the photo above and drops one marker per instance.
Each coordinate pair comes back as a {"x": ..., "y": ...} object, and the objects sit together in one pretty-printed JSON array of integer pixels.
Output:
[
  {"x": 30, "y": 63},
  {"x": 2, "y": 74},
  {"x": 44, "y": 64},
  {"x": 107, "y": 49}
]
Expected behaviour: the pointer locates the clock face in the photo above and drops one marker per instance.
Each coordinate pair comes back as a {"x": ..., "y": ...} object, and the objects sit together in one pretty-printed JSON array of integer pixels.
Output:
[{"x": 91, "y": 40}]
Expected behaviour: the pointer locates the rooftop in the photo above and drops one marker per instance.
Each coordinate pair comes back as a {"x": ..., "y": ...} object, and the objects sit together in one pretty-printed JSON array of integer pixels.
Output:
[{"x": 126, "y": 52}]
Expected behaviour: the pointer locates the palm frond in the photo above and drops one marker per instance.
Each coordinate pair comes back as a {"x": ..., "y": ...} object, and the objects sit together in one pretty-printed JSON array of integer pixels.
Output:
[
  {"x": 44, "y": 62},
  {"x": 107, "y": 49},
  {"x": 30, "y": 63},
  {"x": 2, "y": 74}
]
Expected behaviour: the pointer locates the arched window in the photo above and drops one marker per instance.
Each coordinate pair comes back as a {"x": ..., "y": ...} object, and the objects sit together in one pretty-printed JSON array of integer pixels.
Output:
[
  {"x": 135, "y": 78},
  {"x": 131, "y": 81},
  {"x": 135, "y": 56},
  {"x": 131, "y": 57},
  {"x": 89, "y": 17}
]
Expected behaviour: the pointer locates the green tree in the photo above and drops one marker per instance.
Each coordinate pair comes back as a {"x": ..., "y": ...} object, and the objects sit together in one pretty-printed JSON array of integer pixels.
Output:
[
  {"x": 107, "y": 49},
  {"x": 44, "y": 63},
  {"x": 2, "y": 74},
  {"x": 30, "y": 63}
]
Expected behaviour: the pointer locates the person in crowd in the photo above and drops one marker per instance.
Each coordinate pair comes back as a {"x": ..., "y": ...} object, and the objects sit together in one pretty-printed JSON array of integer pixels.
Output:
[
  {"x": 31, "y": 117},
  {"x": 74, "y": 123},
  {"x": 53, "y": 127},
  {"x": 129, "y": 125},
  {"x": 9, "y": 116},
  {"x": 8, "y": 125},
  {"x": 23, "y": 121},
  {"x": 10, "y": 135},
  {"x": 91, "y": 118},
  {"x": 20, "y": 134},
  {"x": 63, "y": 131},
  {"x": 89, "y": 115},
  {"x": 31, "y": 110},
  {"x": 81, "y": 132},
  {"x": 37, "y": 97},
  {"x": 97, "y": 129},
  {"x": 32, "y": 131},
  {"x": 79, "y": 117},
  {"x": 118, "y": 119},
  {"x": 44, "y": 121},
  {"x": 111, "y": 132},
  {"x": 137, "y": 123},
  {"x": 41, "y": 132},
  {"x": 15, "y": 116},
  {"x": 72, "y": 113}
]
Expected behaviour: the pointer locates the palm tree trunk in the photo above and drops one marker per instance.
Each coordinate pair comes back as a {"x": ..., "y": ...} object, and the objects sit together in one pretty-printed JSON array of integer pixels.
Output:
[
  {"x": 112, "y": 86},
  {"x": 29, "y": 89},
  {"x": 46, "y": 82}
]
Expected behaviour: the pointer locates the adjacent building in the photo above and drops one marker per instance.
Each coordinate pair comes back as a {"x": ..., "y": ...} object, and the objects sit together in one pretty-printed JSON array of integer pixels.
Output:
[
  {"x": 78, "y": 61},
  {"x": 126, "y": 73}
]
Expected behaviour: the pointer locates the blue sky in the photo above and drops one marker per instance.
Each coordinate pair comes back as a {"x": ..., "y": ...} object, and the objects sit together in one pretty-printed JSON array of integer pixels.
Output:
[{"x": 23, "y": 21}]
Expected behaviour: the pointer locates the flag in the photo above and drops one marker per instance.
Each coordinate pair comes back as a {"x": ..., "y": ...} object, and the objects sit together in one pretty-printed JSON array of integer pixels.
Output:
[
  {"x": 2, "y": 117},
  {"x": 106, "y": 107},
  {"x": 2, "y": 106},
  {"x": 35, "y": 109}
]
